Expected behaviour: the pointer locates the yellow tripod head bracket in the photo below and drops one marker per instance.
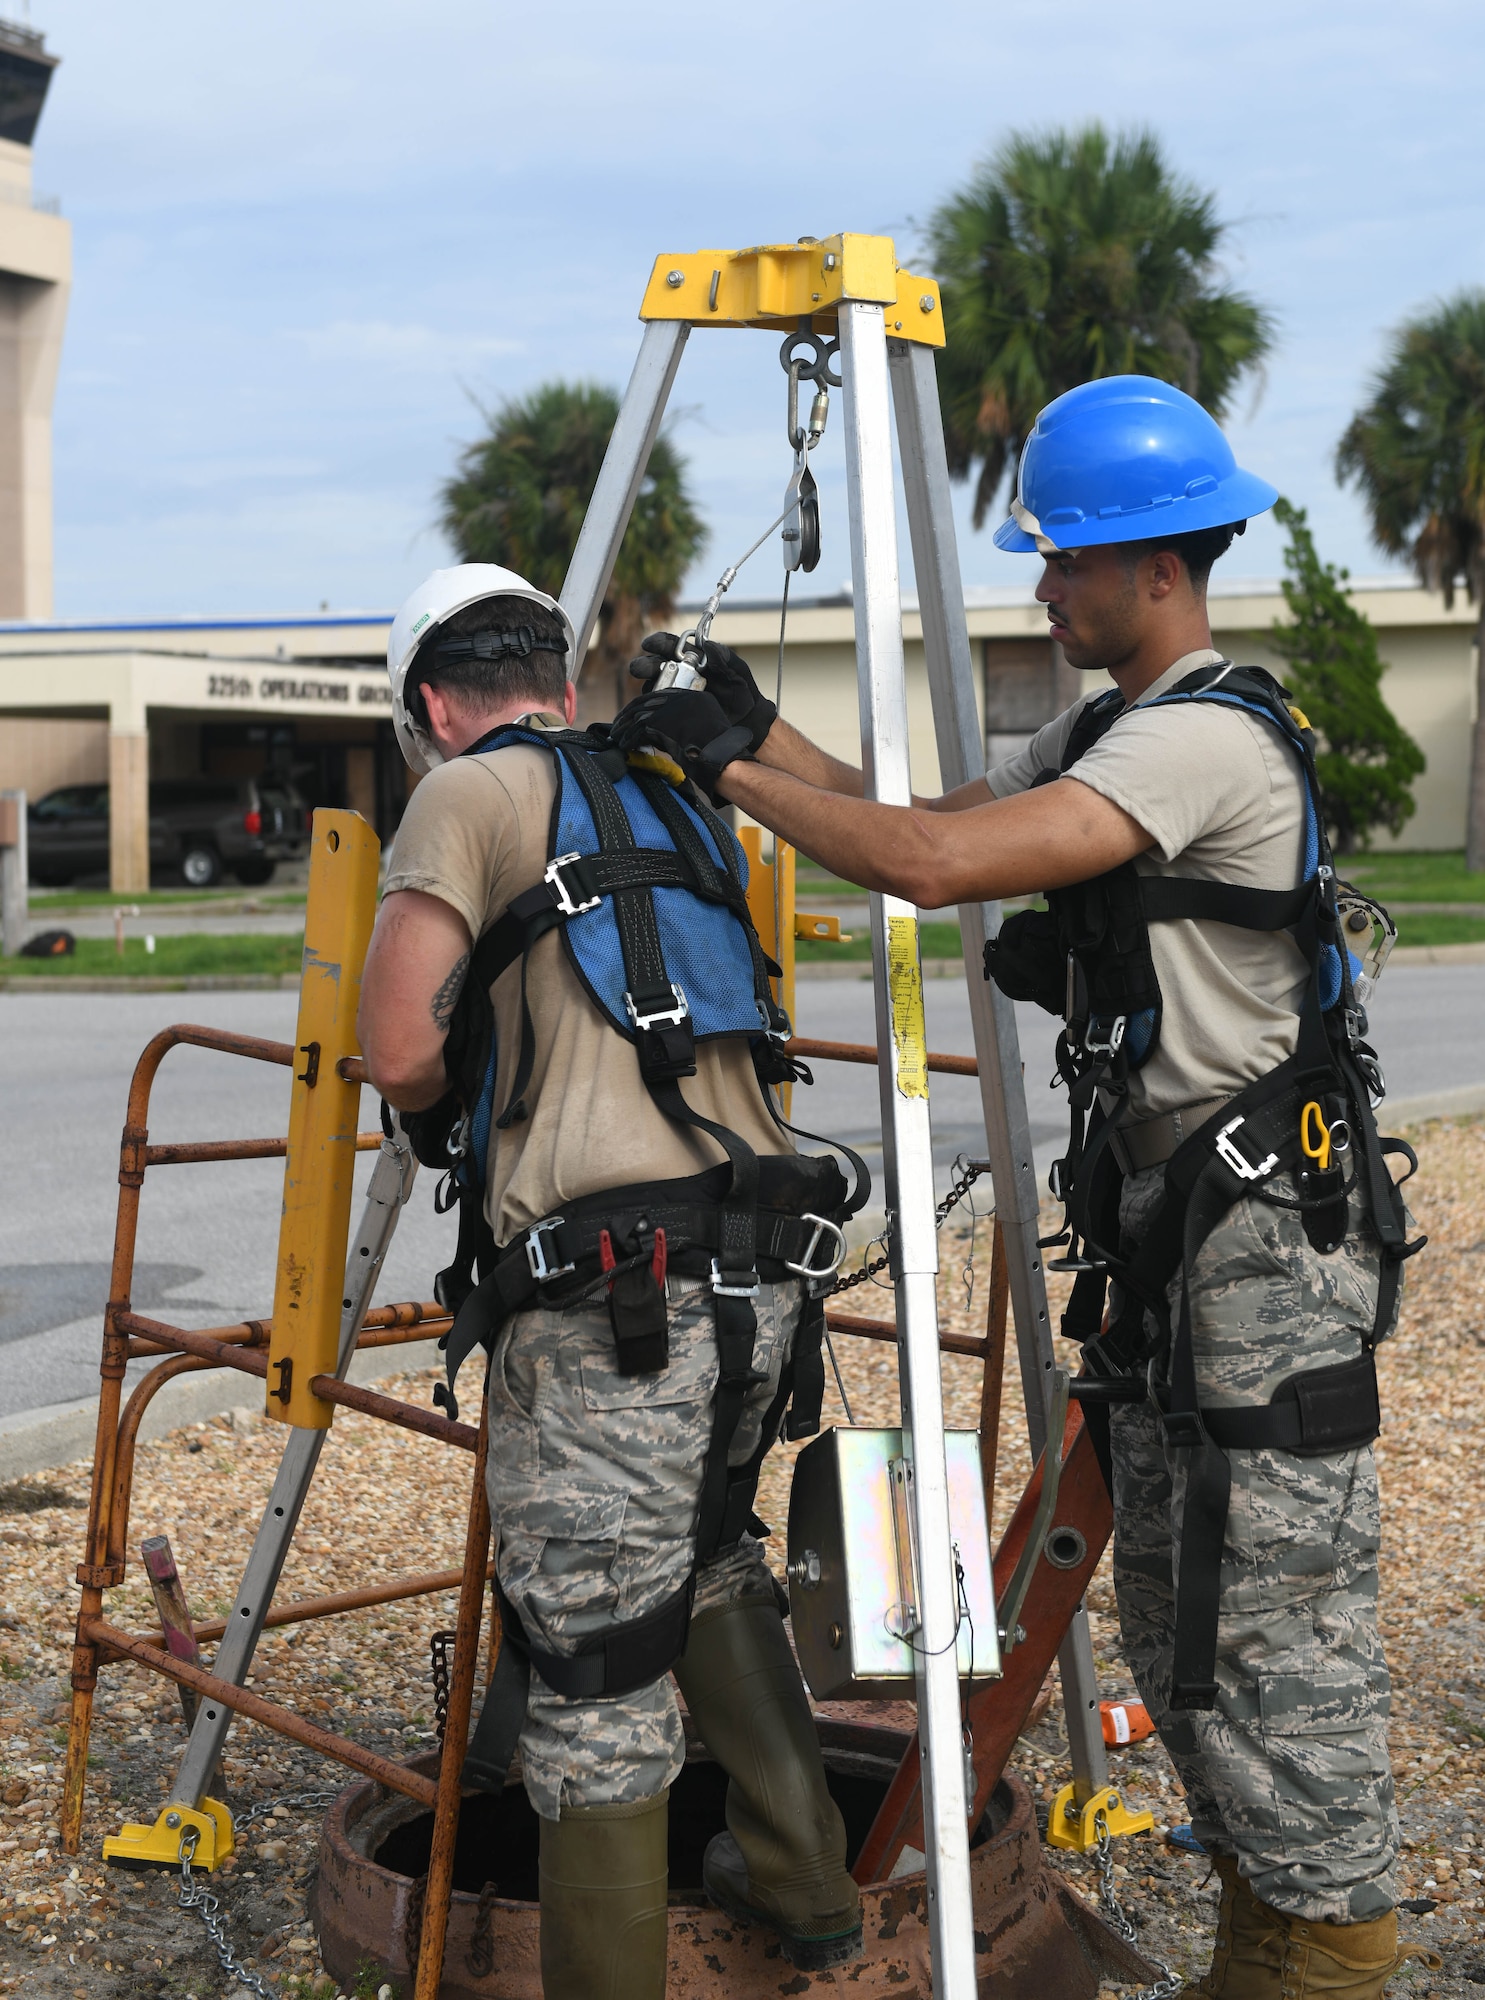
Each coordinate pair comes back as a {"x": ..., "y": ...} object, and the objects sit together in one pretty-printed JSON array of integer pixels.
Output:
[
  {"x": 138, "y": 1846},
  {"x": 776, "y": 285},
  {"x": 320, "y": 1166},
  {"x": 1075, "y": 1827}
]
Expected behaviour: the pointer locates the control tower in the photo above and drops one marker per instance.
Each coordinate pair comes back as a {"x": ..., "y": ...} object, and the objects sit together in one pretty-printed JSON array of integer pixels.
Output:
[{"x": 35, "y": 279}]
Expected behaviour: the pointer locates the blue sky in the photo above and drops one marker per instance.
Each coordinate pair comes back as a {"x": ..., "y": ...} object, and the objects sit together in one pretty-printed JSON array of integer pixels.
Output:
[{"x": 307, "y": 236}]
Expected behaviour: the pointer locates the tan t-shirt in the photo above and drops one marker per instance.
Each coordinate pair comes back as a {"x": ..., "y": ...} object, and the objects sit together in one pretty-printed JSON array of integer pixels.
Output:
[
  {"x": 475, "y": 835},
  {"x": 1223, "y": 797}
]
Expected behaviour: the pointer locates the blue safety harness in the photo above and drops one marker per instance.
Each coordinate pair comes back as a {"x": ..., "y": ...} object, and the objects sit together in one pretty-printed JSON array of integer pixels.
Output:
[{"x": 647, "y": 887}]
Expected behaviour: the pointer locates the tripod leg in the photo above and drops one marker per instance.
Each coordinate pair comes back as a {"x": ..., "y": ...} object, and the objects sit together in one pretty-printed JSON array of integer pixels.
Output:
[
  {"x": 391, "y": 1184},
  {"x": 619, "y": 478},
  {"x": 907, "y": 1145},
  {"x": 920, "y": 435}
]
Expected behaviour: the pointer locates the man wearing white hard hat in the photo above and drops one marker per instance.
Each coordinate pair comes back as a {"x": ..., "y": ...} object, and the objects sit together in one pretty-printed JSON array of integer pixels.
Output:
[
  {"x": 1225, "y": 1190},
  {"x": 565, "y": 997}
]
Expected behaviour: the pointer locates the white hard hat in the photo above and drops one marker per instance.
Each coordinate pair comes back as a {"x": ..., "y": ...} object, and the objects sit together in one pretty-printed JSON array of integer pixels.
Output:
[{"x": 438, "y": 598}]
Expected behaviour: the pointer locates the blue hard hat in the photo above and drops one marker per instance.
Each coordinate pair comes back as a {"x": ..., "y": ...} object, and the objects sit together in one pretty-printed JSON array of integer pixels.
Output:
[{"x": 1124, "y": 459}]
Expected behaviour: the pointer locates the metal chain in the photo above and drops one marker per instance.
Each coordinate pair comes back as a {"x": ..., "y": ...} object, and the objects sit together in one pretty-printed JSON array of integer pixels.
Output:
[
  {"x": 964, "y": 1179},
  {"x": 207, "y": 1905},
  {"x": 480, "y": 1956},
  {"x": 1169, "y": 1982},
  {"x": 441, "y": 1647}
]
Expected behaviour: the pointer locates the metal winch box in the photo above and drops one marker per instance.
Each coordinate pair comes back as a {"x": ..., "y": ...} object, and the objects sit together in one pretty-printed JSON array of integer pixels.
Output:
[{"x": 853, "y": 1569}]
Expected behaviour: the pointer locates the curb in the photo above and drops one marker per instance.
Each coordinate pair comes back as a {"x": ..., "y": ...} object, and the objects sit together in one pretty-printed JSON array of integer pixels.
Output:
[
  {"x": 860, "y": 968},
  {"x": 201, "y": 982},
  {"x": 61, "y": 1433},
  {"x": 1437, "y": 954},
  {"x": 1467, "y": 1101}
]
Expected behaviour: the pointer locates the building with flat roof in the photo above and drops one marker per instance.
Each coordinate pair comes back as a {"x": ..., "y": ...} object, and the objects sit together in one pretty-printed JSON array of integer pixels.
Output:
[{"x": 307, "y": 697}]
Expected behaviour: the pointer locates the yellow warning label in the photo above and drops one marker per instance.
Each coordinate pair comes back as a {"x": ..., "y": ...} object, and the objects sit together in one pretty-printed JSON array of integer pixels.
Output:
[{"x": 905, "y": 985}]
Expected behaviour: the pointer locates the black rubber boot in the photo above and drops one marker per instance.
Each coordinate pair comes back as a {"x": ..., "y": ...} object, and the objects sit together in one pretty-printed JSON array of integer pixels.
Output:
[
  {"x": 603, "y": 1918},
  {"x": 782, "y": 1861}
]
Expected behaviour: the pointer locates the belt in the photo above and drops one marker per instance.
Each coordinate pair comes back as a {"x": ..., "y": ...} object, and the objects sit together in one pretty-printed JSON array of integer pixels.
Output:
[{"x": 1152, "y": 1141}]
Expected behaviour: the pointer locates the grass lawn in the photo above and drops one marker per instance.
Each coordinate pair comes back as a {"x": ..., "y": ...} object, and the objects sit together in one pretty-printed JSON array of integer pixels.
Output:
[
  {"x": 56, "y": 902},
  {"x": 1413, "y": 878},
  {"x": 942, "y": 940},
  {"x": 181, "y": 957},
  {"x": 172, "y": 958},
  {"x": 1431, "y": 928}
]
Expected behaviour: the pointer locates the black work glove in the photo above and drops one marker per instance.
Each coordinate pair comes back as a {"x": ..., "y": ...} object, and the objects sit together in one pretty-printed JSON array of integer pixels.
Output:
[
  {"x": 728, "y": 677},
  {"x": 689, "y": 729}
]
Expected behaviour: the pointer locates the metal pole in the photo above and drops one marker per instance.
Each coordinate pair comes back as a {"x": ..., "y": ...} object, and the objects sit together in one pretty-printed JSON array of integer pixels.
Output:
[
  {"x": 961, "y": 756},
  {"x": 391, "y": 1184},
  {"x": 623, "y": 468},
  {"x": 13, "y": 874},
  {"x": 907, "y": 1146}
]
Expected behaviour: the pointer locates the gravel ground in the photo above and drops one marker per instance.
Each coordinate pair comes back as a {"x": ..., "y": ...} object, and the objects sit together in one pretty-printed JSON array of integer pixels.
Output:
[{"x": 388, "y": 1502}]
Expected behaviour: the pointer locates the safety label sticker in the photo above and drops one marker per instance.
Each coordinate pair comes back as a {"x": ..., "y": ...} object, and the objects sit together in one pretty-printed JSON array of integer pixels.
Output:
[{"x": 905, "y": 986}]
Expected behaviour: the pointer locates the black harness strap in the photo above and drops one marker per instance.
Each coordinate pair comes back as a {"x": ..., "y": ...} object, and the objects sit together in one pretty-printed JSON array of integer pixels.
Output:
[
  {"x": 626, "y": 1656},
  {"x": 1093, "y": 940}
]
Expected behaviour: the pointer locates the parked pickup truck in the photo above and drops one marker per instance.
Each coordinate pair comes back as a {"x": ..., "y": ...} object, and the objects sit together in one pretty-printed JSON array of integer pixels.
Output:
[{"x": 200, "y": 829}]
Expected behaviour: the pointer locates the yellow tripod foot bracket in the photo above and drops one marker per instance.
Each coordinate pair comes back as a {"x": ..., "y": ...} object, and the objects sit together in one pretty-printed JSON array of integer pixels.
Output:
[
  {"x": 138, "y": 1846},
  {"x": 1075, "y": 1827}
]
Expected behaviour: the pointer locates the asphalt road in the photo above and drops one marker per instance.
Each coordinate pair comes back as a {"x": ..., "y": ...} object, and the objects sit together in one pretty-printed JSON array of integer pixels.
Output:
[{"x": 207, "y": 1233}]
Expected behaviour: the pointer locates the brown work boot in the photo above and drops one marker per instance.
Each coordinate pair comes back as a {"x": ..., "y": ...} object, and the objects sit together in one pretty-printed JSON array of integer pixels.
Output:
[
  {"x": 1273, "y": 1955},
  {"x": 1226, "y": 1869}
]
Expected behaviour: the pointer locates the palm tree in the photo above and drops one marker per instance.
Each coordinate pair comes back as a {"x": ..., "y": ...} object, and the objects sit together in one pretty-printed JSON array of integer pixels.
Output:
[
  {"x": 518, "y": 497},
  {"x": 1071, "y": 255},
  {"x": 1416, "y": 450}
]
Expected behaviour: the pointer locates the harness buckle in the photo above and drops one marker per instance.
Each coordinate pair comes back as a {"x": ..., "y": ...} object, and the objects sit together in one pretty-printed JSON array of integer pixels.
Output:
[
  {"x": 1099, "y": 1044},
  {"x": 666, "y": 1017},
  {"x": 565, "y": 903},
  {"x": 806, "y": 1267},
  {"x": 1183, "y": 1429},
  {"x": 1243, "y": 1168},
  {"x": 747, "y": 1289},
  {"x": 536, "y": 1254}
]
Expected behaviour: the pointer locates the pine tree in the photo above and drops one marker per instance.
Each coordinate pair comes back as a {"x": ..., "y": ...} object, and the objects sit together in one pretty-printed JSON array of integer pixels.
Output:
[{"x": 1366, "y": 761}]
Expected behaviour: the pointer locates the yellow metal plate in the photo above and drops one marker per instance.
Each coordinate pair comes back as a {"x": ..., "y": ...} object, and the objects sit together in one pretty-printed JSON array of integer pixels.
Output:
[
  {"x": 318, "y": 1170},
  {"x": 819, "y": 930},
  {"x": 775, "y": 285},
  {"x": 1076, "y": 1827},
  {"x": 138, "y": 1846}
]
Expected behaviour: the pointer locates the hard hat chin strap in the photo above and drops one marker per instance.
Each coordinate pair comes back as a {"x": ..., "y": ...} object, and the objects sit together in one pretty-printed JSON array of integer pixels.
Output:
[{"x": 1027, "y": 522}]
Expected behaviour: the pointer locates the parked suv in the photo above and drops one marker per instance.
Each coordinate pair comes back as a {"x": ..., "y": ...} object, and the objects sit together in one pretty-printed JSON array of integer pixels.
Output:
[{"x": 199, "y": 829}]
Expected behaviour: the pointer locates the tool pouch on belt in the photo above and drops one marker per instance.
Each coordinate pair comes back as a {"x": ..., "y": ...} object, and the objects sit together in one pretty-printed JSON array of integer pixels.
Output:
[
  {"x": 641, "y": 1323},
  {"x": 1324, "y": 1209}
]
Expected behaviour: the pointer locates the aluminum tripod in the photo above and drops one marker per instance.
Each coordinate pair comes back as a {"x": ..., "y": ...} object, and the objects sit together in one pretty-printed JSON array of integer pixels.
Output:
[
  {"x": 869, "y": 357},
  {"x": 391, "y": 1183}
]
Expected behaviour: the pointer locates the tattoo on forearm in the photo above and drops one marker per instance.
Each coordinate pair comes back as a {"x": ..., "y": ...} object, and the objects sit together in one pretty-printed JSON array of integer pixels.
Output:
[{"x": 447, "y": 995}]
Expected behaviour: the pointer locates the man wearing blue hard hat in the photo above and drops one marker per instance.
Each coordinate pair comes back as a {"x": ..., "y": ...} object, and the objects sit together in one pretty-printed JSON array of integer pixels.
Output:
[{"x": 1236, "y": 1237}]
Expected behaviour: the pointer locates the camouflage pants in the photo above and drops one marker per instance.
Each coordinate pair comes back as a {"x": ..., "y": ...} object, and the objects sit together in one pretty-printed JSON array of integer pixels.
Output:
[
  {"x": 594, "y": 1480},
  {"x": 1289, "y": 1772}
]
